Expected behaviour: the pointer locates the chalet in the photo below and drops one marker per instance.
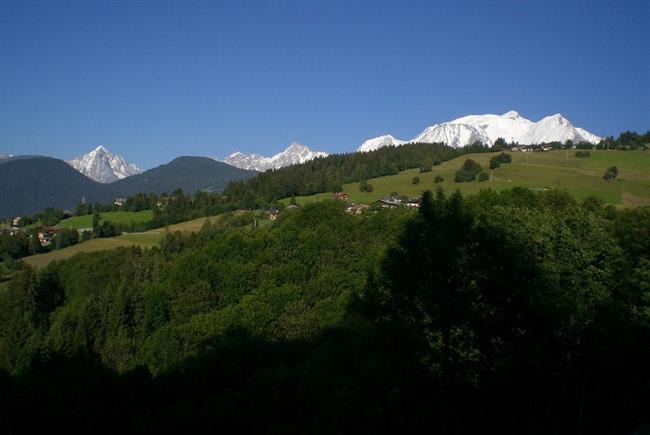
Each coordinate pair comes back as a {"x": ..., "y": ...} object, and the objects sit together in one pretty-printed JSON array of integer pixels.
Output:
[
  {"x": 119, "y": 202},
  {"x": 16, "y": 221},
  {"x": 356, "y": 208},
  {"x": 273, "y": 214},
  {"x": 292, "y": 207},
  {"x": 342, "y": 196},
  {"x": 163, "y": 201},
  {"x": 391, "y": 202},
  {"x": 413, "y": 203},
  {"x": 46, "y": 235}
]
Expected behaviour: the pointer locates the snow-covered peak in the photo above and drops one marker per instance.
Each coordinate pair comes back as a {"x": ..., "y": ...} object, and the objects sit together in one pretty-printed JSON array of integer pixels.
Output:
[
  {"x": 380, "y": 142},
  {"x": 103, "y": 166},
  {"x": 296, "y": 147},
  {"x": 294, "y": 154},
  {"x": 455, "y": 135},
  {"x": 511, "y": 115},
  {"x": 556, "y": 119}
]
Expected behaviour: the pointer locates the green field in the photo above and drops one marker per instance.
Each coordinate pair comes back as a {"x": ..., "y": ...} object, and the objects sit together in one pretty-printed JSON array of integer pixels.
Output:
[
  {"x": 146, "y": 240},
  {"x": 116, "y": 217},
  {"x": 581, "y": 177}
]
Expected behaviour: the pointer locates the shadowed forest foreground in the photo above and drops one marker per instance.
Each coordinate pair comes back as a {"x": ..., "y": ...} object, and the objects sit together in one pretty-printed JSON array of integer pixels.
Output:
[{"x": 517, "y": 312}]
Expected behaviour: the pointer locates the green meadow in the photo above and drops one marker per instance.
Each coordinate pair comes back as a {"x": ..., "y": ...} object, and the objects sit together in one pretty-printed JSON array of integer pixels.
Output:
[
  {"x": 581, "y": 177},
  {"x": 145, "y": 239},
  {"x": 116, "y": 217}
]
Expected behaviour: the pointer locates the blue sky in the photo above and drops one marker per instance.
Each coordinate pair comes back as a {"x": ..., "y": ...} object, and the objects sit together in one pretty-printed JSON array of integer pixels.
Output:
[{"x": 154, "y": 80}]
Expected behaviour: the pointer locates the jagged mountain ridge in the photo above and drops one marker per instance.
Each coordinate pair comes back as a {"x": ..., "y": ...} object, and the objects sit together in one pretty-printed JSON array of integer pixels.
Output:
[
  {"x": 103, "y": 166},
  {"x": 294, "y": 154},
  {"x": 486, "y": 129}
]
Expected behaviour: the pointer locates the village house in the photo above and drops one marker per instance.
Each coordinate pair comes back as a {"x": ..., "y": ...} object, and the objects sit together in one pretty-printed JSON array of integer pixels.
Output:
[
  {"x": 391, "y": 202},
  {"x": 292, "y": 207},
  {"x": 413, "y": 203},
  {"x": 16, "y": 221},
  {"x": 342, "y": 196},
  {"x": 46, "y": 235},
  {"x": 119, "y": 202},
  {"x": 273, "y": 213}
]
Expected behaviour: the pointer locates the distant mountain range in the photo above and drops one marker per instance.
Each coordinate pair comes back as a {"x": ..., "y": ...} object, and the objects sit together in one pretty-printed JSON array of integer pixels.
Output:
[
  {"x": 103, "y": 166},
  {"x": 292, "y": 155},
  {"x": 29, "y": 184},
  {"x": 486, "y": 129}
]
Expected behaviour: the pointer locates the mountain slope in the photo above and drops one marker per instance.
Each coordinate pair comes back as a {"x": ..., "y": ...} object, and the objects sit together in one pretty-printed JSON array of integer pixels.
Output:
[
  {"x": 455, "y": 135},
  {"x": 103, "y": 166},
  {"x": 187, "y": 173},
  {"x": 294, "y": 154},
  {"x": 29, "y": 184}
]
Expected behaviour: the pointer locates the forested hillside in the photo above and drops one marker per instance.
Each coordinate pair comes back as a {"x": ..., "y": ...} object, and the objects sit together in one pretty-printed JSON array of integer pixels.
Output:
[
  {"x": 520, "y": 310},
  {"x": 31, "y": 184},
  {"x": 328, "y": 174}
]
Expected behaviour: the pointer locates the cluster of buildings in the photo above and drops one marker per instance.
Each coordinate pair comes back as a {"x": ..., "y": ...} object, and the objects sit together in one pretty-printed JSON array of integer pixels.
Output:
[
  {"x": 531, "y": 148},
  {"x": 45, "y": 234},
  {"x": 388, "y": 202}
]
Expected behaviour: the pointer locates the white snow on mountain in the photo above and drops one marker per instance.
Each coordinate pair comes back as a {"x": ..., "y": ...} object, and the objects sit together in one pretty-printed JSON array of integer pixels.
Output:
[
  {"x": 292, "y": 155},
  {"x": 510, "y": 126},
  {"x": 455, "y": 135},
  {"x": 103, "y": 166},
  {"x": 589, "y": 137},
  {"x": 379, "y": 142}
]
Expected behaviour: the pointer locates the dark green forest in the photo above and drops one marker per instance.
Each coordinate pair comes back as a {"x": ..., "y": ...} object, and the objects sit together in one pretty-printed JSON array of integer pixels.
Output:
[{"x": 512, "y": 312}]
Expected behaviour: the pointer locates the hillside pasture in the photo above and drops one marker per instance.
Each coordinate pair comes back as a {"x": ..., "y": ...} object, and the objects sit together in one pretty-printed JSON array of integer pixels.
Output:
[
  {"x": 580, "y": 177},
  {"x": 145, "y": 239},
  {"x": 115, "y": 217}
]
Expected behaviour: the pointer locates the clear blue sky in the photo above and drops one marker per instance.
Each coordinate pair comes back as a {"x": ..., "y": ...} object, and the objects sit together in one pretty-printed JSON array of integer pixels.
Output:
[{"x": 154, "y": 80}]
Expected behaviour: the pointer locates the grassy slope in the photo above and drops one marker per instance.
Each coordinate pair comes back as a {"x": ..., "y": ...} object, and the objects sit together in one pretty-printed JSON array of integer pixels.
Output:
[
  {"x": 580, "y": 177},
  {"x": 145, "y": 240},
  {"x": 116, "y": 217}
]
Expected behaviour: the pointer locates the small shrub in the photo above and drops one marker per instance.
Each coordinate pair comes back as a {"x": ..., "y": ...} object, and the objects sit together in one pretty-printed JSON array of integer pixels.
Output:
[
  {"x": 483, "y": 176},
  {"x": 416, "y": 180},
  {"x": 439, "y": 179},
  {"x": 364, "y": 186},
  {"x": 611, "y": 173},
  {"x": 582, "y": 154}
]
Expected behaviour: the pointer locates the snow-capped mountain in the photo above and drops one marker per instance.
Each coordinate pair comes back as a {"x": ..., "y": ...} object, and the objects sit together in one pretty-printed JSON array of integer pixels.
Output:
[
  {"x": 455, "y": 135},
  {"x": 103, "y": 166},
  {"x": 510, "y": 126},
  {"x": 379, "y": 142},
  {"x": 292, "y": 155}
]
